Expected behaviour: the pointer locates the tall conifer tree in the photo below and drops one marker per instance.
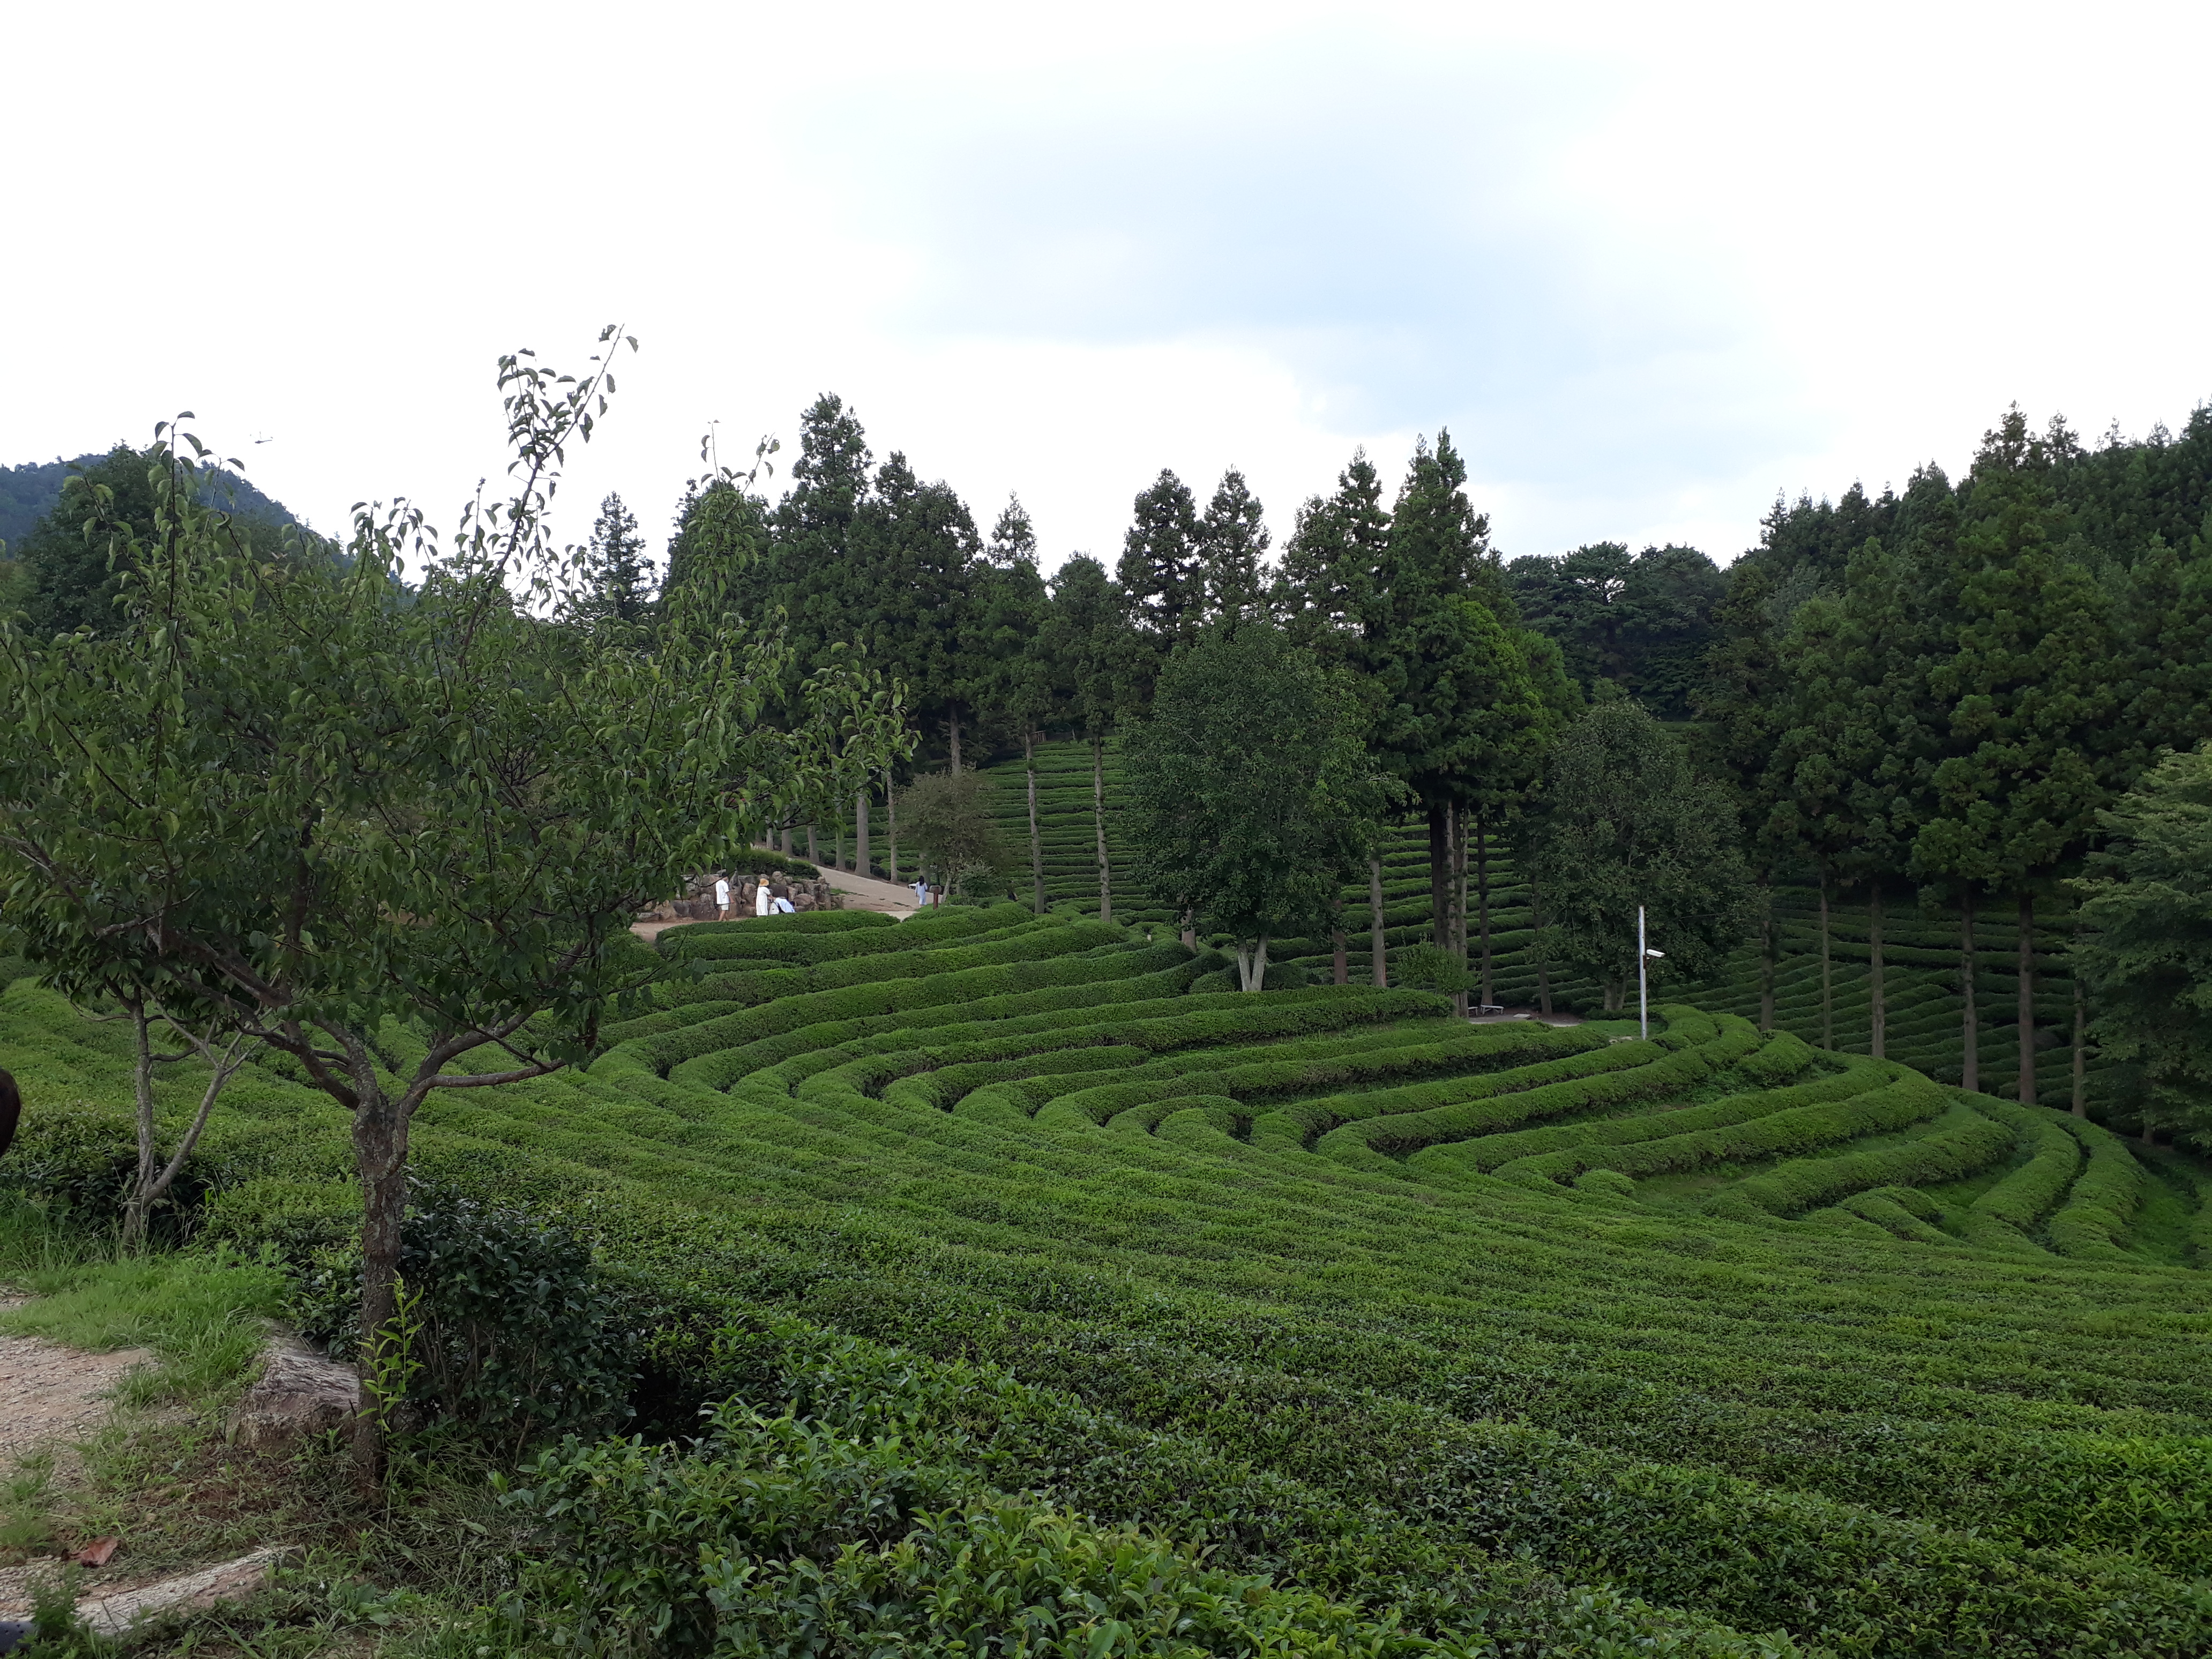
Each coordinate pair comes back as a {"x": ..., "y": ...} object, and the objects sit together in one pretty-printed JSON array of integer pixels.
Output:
[{"x": 2025, "y": 692}]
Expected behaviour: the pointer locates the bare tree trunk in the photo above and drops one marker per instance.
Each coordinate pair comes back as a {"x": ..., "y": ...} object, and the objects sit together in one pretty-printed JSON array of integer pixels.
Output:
[
  {"x": 952, "y": 725},
  {"x": 837, "y": 845},
  {"x": 1439, "y": 877},
  {"x": 140, "y": 1200},
  {"x": 1878, "y": 1012},
  {"x": 379, "y": 1143},
  {"x": 1189, "y": 931},
  {"x": 1766, "y": 956},
  {"x": 1482, "y": 898},
  {"x": 890, "y": 819},
  {"x": 1543, "y": 967},
  {"x": 1970, "y": 1068},
  {"x": 1828, "y": 977},
  {"x": 863, "y": 864},
  {"x": 1036, "y": 846},
  {"x": 813, "y": 849},
  {"x": 150, "y": 1184},
  {"x": 1342, "y": 967},
  {"x": 1377, "y": 945},
  {"x": 1457, "y": 821},
  {"x": 2026, "y": 998},
  {"x": 2080, "y": 1051},
  {"x": 787, "y": 840},
  {"x": 1252, "y": 963},
  {"x": 1098, "y": 816}
]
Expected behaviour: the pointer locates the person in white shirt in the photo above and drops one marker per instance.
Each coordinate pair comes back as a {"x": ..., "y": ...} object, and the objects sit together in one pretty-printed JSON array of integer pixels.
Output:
[
  {"x": 764, "y": 903},
  {"x": 920, "y": 892},
  {"x": 721, "y": 896}
]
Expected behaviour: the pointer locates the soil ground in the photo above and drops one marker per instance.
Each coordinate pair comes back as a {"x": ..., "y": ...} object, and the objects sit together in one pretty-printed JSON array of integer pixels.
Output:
[
  {"x": 51, "y": 1396},
  {"x": 51, "y": 1399}
]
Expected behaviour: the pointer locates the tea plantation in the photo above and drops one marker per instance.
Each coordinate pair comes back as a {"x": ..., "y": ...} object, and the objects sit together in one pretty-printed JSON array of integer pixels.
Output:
[{"x": 1389, "y": 1334}]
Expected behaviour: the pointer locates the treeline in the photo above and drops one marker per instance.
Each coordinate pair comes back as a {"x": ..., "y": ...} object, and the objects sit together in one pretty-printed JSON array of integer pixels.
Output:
[
  {"x": 1429, "y": 666},
  {"x": 1945, "y": 694},
  {"x": 1926, "y": 697}
]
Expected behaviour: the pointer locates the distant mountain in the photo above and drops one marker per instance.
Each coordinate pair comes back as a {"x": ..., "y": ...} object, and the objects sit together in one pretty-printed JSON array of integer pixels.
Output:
[{"x": 29, "y": 492}]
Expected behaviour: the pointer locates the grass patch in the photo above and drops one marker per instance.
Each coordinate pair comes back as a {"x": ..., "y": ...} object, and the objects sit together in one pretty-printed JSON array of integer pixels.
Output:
[{"x": 203, "y": 1314}]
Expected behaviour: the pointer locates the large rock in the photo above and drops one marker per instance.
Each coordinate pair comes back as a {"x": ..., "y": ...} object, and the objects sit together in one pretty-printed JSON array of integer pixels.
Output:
[{"x": 301, "y": 1394}]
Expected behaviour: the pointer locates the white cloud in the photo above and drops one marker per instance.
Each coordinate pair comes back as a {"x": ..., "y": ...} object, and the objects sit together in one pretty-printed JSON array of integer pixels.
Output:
[{"x": 1649, "y": 266}]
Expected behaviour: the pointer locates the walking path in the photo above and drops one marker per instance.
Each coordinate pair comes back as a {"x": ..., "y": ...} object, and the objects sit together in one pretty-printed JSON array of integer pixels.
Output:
[{"x": 866, "y": 893}]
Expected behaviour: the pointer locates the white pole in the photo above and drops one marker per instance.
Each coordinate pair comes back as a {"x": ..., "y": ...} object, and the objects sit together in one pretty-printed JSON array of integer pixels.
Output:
[{"x": 1643, "y": 965}]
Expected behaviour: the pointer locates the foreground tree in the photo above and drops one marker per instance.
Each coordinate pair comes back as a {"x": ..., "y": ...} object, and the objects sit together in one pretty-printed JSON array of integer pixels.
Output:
[
  {"x": 68, "y": 572},
  {"x": 2145, "y": 952},
  {"x": 1254, "y": 798},
  {"x": 1623, "y": 821},
  {"x": 78, "y": 878},
  {"x": 445, "y": 812}
]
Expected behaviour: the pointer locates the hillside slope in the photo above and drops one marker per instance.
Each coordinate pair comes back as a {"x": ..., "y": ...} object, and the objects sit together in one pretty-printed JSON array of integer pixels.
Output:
[
  {"x": 31, "y": 490},
  {"x": 1527, "y": 1338},
  {"x": 1921, "y": 950}
]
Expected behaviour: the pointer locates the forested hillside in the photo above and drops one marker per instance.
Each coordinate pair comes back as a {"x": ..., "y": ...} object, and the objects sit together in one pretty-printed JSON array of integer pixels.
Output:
[
  {"x": 62, "y": 578},
  {"x": 30, "y": 491}
]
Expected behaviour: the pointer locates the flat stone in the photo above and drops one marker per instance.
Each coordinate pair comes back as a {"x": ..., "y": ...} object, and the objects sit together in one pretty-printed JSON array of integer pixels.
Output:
[
  {"x": 301, "y": 1394},
  {"x": 192, "y": 1592}
]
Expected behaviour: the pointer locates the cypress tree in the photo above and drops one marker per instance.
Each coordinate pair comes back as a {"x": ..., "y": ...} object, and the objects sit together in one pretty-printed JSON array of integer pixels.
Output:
[
  {"x": 1232, "y": 541},
  {"x": 1162, "y": 572},
  {"x": 2026, "y": 695},
  {"x": 615, "y": 577},
  {"x": 1096, "y": 662},
  {"x": 1324, "y": 592},
  {"x": 1011, "y": 645}
]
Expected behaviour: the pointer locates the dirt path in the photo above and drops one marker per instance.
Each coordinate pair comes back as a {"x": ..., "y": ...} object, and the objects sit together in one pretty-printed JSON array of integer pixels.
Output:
[
  {"x": 866, "y": 893},
  {"x": 51, "y": 1396}
]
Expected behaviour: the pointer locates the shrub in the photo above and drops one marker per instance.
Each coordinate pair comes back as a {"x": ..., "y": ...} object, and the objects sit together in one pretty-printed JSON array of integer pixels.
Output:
[
  {"x": 519, "y": 1334},
  {"x": 2094, "y": 1219},
  {"x": 1962, "y": 1142},
  {"x": 1430, "y": 968},
  {"x": 788, "y": 1536},
  {"x": 1499, "y": 1151},
  {"x": 1728, "y": 1132},
  {"x": 2001, "y": 1218},
  {"x": 80, "y": 1161}
]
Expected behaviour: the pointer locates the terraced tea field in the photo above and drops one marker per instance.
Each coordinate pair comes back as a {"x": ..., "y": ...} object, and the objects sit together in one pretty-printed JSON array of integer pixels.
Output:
[
  {"x": 1920, "y": 951},
  {"x": 1515, "y": 1338}
]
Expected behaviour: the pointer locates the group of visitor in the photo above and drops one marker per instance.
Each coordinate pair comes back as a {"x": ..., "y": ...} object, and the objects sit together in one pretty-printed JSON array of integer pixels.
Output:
[{"x": 769, "y": 898}]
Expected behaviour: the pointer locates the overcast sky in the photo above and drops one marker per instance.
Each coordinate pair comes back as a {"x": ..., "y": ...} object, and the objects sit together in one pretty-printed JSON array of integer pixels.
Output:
[{"x": 1649, "y": 264}]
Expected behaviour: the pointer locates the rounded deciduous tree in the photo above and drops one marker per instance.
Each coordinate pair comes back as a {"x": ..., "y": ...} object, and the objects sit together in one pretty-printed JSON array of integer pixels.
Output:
[
  {"x": 2145, "y": 952},
  {"x": 1623, "y": 821},
  {"x": 945, "y": 815},
  {"x": 1255, "y": 798}
]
